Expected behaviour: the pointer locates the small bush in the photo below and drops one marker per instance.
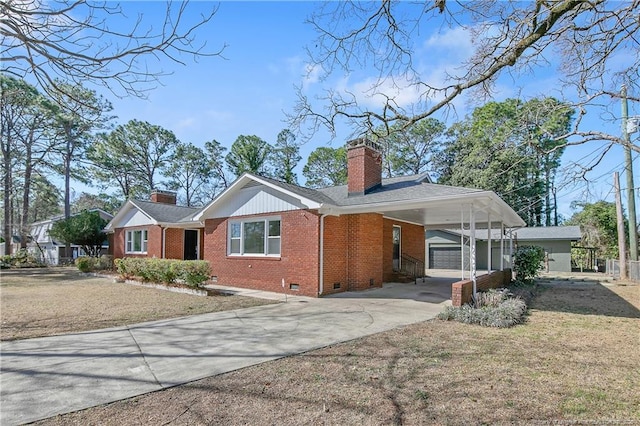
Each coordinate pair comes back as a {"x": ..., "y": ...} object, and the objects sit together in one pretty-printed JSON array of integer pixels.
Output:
[
  {"x": 21, "y": 259},
  {"x": 527, "y": 263},
  {"x": 167, "y": 271},
  {"x": 85, "y": 264}
]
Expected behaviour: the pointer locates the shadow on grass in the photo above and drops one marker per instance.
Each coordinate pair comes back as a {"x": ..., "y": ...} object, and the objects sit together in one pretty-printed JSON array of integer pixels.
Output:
[{"x": 588, "y": 297}]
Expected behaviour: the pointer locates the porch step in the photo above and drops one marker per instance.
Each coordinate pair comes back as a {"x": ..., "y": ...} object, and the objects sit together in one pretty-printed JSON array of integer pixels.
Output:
[{"x": 398, "y": 277}]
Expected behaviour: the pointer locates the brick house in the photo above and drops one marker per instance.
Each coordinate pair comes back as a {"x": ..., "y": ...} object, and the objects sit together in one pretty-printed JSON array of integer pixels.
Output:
[{"x": 265, "y": 234}]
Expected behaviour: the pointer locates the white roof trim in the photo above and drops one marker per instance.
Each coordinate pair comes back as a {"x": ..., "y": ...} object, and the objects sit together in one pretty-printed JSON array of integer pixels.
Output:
[
  {"x": 240, "y": 183},
  {"x": 123, "y": 210},
  {"x": 483, "y": 200}
]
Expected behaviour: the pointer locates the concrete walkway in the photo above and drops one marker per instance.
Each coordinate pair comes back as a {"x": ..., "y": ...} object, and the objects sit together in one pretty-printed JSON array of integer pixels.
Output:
[{"x": 43, "y": 377}]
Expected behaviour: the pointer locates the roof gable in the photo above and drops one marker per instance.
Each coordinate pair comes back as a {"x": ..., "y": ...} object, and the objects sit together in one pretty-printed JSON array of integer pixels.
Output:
[
  {"x": 251, "y": 194},
  {"x": 143, "y": 213}
]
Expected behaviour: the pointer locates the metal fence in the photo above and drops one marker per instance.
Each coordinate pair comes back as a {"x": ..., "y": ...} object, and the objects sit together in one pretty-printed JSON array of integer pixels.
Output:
[{"x": 633, "y": 268}]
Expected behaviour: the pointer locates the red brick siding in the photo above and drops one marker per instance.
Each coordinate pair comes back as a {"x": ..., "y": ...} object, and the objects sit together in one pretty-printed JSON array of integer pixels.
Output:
[
  {"x": 174, "y": 243},
  {"x": 154, "y": 242},
  {"x": 364, "y": 255},
  {"x": 462, "y": 291},
  {"x": 411, "y": 243},
  {"x": 298, "y": 262},
  {"x": 364, "y": 169},
  {"x": 335, "y": 254}
]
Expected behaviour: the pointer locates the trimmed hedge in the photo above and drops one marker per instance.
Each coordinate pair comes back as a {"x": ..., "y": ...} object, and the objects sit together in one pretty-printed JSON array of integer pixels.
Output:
[
  {"x": 90, "y": 264},
  {"x": 166, "y": 271}
]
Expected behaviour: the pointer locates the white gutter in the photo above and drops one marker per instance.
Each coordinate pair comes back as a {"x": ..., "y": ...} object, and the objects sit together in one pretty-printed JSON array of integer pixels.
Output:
[
  {"x": 321, "y": 266},
  {"x": 164, "y": 243}
]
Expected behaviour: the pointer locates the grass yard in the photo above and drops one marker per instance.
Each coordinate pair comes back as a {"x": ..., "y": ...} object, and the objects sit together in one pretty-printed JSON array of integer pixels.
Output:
[
  {"x": 575, "y": 361},
  {"x": 43, "y": 302}
]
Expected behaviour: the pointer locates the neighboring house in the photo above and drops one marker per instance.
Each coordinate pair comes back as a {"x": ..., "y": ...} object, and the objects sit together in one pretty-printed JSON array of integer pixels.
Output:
[
  {"x": 51, "y": 251},
  {"x": 443, "y": 247},
  {"x": 265, "y": 234}
]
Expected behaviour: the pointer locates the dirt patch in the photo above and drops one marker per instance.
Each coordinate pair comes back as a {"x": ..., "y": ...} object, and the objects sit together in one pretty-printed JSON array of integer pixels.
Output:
[
  {"x": 48, "y": 301},
  {"x": 574, "y": 361}
]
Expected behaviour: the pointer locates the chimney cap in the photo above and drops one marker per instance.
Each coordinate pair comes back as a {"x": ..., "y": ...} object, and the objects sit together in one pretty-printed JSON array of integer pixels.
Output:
[
  {"x": 163, "y": 192},
  {"x": 356, "y": 143}
]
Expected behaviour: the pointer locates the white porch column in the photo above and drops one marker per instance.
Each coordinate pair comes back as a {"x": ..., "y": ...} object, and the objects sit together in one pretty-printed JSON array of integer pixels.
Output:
[
  {"x": 462, "y": 242},
  {"x": 511, "y": 248},
  {"x": 488, "y": 243},
  {"x": 472, "y": 249},
  {"x": 502, "y": 246}
]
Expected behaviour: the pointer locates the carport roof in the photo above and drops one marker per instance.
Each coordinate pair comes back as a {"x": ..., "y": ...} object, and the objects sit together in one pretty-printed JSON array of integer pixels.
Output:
[
  {"x": 408, "y": 198},
  {"x": 535, "y": 233}
]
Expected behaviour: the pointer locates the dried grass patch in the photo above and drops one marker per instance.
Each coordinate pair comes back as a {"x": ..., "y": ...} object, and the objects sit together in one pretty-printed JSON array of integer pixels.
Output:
[
  {"x": 562, "y": 366},
  {"x": 45, "y": 302}
]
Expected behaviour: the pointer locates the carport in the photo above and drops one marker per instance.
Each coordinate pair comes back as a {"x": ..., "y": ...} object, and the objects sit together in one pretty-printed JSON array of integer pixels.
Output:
[{"x": 444, "y": 207}]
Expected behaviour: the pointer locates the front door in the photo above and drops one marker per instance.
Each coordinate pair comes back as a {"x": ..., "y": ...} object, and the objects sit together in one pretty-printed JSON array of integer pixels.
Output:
[
  {"x": 190, "y": 244},
  {"x": 397, "y": 237}
]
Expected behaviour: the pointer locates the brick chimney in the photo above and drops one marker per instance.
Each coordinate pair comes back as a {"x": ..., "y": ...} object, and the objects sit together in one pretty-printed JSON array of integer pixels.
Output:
[
  {"x": 364, "y": 166},
  {"x": 165, "y": 197}
]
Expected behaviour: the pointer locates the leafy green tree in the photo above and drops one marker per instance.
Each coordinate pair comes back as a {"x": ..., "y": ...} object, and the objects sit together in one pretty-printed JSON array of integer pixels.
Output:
[
  {"x": 326, "y": 167},
  {"x": 216, "y": 153},
  {"x": 598, "y": 224},
  {"x": 511, "y": 148},
  {"x": 27, "y": 118},
  {"x": 79, "y": 113},
  {"x": 104, "y": 202},
  {"x": 408, "y": 149},
  {"x": 46, "y": 201},
  {"x": 132, "y": 156},
  {"x": 85, "y": 229},
  {"x": 249, "y": 154},
  {"x": 286, "y": 157},
  {"x": 189, "y": 172}
]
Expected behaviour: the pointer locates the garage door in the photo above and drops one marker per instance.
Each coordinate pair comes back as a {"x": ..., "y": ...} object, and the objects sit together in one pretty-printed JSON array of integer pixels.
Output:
[{"x": 445, "y": 258}]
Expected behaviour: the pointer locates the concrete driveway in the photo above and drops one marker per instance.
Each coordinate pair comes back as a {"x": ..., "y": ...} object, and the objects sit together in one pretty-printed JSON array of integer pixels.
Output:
[{"x": 43, "y": 377}]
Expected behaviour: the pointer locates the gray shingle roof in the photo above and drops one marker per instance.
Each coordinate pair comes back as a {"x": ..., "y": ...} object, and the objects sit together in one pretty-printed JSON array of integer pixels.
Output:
[
  {"x": 166, "y": 213},
  {"x": 530, "y": 234},
  {"x": 550, "y": 233},
  {"x": 395, "y": 189},
  {"x": 309, "y": 193}
]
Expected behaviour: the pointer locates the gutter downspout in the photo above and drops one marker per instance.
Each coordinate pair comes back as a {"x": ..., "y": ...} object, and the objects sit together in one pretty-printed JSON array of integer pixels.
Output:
[
  {"x": 321, "y": 262},
  {"x": 164, "y": 240}
]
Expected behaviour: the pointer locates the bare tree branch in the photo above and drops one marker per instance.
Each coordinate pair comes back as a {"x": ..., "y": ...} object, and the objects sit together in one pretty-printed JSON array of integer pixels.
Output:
[
  {"x": 76, "y": 41},
  {"x": 596, "y": 43}
]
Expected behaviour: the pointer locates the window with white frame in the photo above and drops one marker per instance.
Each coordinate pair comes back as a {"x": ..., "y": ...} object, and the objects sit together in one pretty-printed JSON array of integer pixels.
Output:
[
  {"x": 136, "y": 241},
  {"x": 254, "y": 237}
]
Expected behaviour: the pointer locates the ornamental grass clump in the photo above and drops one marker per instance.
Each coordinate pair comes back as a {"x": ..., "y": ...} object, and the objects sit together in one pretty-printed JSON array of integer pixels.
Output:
[{"x": 493, "y": 308}]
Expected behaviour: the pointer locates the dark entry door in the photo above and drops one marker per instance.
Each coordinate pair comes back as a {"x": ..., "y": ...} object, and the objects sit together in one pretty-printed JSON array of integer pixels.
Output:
[
  {"x": 190, "y": 244},
  {"x": 397, "y": 236}
]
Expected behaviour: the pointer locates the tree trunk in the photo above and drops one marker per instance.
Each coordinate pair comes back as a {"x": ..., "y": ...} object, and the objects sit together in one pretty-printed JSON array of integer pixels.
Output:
[
  {"x": 67, "y": 184},
  {"x": 547, "y": 194},
  {"x": 24, "y": 223},
  {"x": 7, "y": 229}
]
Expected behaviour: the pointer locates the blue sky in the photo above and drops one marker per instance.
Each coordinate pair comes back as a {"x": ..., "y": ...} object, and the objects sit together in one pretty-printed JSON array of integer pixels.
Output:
[{"x": 249, "y": 91}]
